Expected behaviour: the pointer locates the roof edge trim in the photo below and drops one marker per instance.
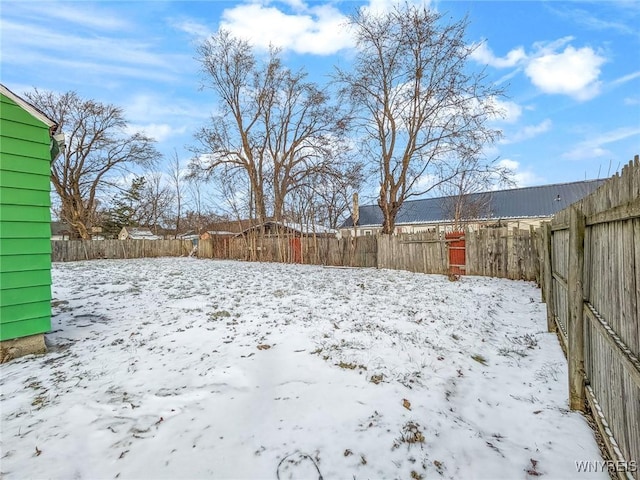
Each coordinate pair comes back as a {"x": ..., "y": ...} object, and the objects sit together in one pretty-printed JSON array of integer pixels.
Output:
[{"x": 33, "y": 111}]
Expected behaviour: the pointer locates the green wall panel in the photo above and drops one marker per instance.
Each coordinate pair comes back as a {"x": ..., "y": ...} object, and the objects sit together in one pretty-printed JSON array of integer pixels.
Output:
[
  {"x": 25, "y": 230},
  {"x": 24, "y": 328},
  {"x": 14, "y": 112},
  {"x": 20, "y": 163},
  {"x": 27, "y": 181},
  {"x": 27, "y": 278},
  {"x": 34, "y": 151},
  {"x": 25, "y": 223},
  {"x": 15, "y": 313},
  {"x": 24, "y": 246},
  {"x": 17, "y": 196},
  {"x": 24, "y": 213},
  {"x": 19, "y": 263},
  {"x": 21, "y": 296},
  {"x": 22, "y": 131}
]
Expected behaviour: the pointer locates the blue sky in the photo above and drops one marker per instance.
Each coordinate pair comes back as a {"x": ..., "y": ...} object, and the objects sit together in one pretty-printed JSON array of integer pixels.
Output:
[{"x": 571, "y": 69}]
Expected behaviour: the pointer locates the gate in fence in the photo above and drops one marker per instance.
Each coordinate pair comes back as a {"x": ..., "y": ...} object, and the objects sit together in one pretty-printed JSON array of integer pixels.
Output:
[
  {"x": 295, "y": 246},
  {"x": 456, "y": 247}
]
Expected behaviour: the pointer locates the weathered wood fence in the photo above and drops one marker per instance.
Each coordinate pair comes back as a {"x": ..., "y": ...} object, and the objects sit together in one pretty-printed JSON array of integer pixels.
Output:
[
  {"x": 422, "y": 253},
  {"x": 500, "y": 252},
  {"x": 309, "y": 250},
  {"x": 74, "y": 250},
  {"x": 503, "y": 253},
  {"x": 591, "y": 284}
]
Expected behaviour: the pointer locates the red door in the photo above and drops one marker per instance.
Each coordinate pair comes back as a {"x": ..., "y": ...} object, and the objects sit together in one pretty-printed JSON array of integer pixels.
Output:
[
  {"x": 455, "y": 242},
  {"x": 296, "y": 250}
]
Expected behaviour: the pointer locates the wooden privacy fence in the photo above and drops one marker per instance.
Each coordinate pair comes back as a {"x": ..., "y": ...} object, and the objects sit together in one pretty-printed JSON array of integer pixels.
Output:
[
  {"x": 422, "y": 253},
  {"x": 503, "y": 253},
  {"x": 591, "y": 284},
  {"x": 74, "y": 250},
  {"x": 500, "y": 252},
  {"x": 309, "y": 250}
]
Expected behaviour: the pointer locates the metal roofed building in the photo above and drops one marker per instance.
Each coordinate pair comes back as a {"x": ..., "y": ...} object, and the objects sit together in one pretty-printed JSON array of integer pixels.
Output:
[
  {"x": 135, "y": 233},
  {"x": 517, "y": 207},
  {"x": 292, "y": 229}
]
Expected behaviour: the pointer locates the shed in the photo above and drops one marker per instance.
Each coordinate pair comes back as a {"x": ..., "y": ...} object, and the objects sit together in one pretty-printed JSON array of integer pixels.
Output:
[
  {"x": 61, "y": 231},
  {"x": 291, "y": 229},
  {"x": 209, "y": 234},
  {"x": 136, "y": 233},
  {"x": 27, "y": 147}
]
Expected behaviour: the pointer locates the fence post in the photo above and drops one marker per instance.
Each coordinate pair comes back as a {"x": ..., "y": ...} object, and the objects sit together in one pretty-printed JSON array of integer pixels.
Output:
[
  {"x": 548, "y": 277},
  {"x": 576, "y": 309}
]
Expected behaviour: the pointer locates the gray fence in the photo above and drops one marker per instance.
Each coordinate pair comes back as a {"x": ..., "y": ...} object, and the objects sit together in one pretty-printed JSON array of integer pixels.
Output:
[
  {"x": 500, "y": 252},
  {"x": 591, "y": 283},
  {"x": 74, "y": 250}
]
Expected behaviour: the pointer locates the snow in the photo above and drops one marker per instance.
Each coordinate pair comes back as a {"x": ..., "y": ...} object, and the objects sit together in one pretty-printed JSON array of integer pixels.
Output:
[{"x": 186, "y": 368}]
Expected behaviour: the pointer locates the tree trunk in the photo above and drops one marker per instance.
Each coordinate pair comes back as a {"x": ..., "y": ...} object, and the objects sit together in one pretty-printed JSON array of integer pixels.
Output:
[{"x": 389, "y": 214}]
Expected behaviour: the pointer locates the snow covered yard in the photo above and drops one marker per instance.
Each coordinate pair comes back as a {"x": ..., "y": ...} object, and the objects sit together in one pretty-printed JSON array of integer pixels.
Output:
[{"x": 184, "y": 368}]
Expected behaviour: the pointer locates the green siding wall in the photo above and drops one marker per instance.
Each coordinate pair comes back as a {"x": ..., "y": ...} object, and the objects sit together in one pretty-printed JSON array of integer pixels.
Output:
[{"x": 25, "y": 223}]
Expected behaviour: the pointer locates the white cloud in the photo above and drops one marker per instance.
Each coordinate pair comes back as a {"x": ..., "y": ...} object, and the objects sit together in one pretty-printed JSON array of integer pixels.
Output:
[
  {"x": 376, "y": 7},
  {"x": 299, "y": 26},
  {"x": 626, "y": 78},
  {"x": 521, "y": 177},
  {"x": 193, "y": 28},
  {"x": 594, "y": 147},
  {"x": 555, "y": 67},
  {"x": 632, "y": 101},
  {"x": 483, "y": 54},
  {"x": 588, "y": 19},
  {"x": 158, "y": 131},
  {"x": 28, "y": 44},
  {"x": 319, "y": 30},
  {"x": 141, "y": 108},
  {"x": 510, "y": 111},
  {"x": 295, "y": 4},
  {"x": 79, "y": 13},
  {"x": 528, "y": 132},
  {"x": 573, "y": 72},
  {"x": 163, "y": 118}
]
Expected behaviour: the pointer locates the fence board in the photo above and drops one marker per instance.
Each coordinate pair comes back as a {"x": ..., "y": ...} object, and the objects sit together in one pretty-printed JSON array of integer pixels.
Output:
[
  {"x": 611, "y": 297},
  {"x": 74, "y": 250},
  {"x": 487, "y": 252}
]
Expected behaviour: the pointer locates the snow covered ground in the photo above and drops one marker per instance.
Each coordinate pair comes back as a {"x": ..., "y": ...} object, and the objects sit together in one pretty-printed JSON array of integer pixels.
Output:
[{"x": 185, "y": 368}]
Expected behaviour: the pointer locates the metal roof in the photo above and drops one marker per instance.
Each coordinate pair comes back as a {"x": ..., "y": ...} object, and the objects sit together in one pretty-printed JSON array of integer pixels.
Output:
[
  {"x": 527, "y": 202},
  {"x": 305, "y": 229},
  {"x": 137, "y": 233}
]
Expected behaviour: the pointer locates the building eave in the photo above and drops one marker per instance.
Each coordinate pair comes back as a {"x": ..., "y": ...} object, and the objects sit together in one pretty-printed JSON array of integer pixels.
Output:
[{"x": 33, "y": 111}]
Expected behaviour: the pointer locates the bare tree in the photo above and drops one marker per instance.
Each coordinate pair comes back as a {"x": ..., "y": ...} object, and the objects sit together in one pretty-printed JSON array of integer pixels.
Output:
[
  {"x": 326, "y": 199},
  {"x": 467, "y": 195},
  {"x": 230, "y": 140},
  {"x": 274, "y": 126},
  {"x": 98, "y": 147},
  {"x": 177, "y": 179},
  {"x": 420, "y": 105},
  {"x": 197, "y": 200},
  {"x": 158, "y": 199}
]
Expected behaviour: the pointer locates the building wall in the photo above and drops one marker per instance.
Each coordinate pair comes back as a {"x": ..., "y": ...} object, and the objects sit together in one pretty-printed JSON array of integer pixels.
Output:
[
  {"x": 521, "y": 224},
  {"x": 25, "y": 223}
]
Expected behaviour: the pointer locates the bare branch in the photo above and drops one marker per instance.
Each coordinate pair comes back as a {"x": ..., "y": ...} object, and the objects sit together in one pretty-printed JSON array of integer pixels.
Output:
[
  {"x": 97, "y": 146},
  {"x": 418, "y": 104}
]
